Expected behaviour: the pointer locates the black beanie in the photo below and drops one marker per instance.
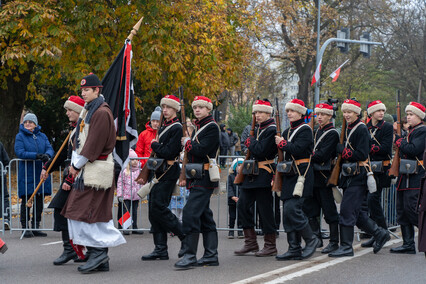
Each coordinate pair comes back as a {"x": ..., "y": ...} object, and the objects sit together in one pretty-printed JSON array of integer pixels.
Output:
[{"x": 90, "y": 81}]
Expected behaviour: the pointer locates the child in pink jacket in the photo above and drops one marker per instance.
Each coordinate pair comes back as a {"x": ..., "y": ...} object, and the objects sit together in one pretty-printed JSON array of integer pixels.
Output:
[{"x": 127, "y": 189}]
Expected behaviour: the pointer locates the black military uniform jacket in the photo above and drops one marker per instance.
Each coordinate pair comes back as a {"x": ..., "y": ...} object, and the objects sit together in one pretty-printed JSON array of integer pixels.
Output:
[
  {"x": 381, "y": 148},
  {"x": 262, "y": 147},
  {"x": 324, "y": 152},
  {"x": 206, "y": 143},
  {"x": 168, "y": 148},
  {"x": 412, "y": 147},
  {"x": 356, "y": 151},
  {"x": 300, "y": 147}
]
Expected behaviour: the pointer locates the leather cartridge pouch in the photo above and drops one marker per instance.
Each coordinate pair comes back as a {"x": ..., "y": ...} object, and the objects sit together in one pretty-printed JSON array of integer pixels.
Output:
[
  {"x": 376, "y": 166},
  {"x": 350, "y": 169},
  {"x": 325, "y": 166},
  {"x": 408, "y": 167},
  {"x": 250, "y": 167},
  {"x": 154, "y": 164},
  {"x": 194, "y": 170},
  {"x": 287, "y": 168}
]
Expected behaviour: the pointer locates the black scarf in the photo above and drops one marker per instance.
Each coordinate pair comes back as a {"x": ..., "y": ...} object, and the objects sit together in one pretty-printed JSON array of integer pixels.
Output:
[{"x": 91, "y": 108}]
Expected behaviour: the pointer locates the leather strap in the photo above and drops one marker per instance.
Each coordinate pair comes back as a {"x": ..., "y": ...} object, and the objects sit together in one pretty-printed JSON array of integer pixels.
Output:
[
  {"x": 301, "y": 161},
  {"x": 263, "y": 165}
]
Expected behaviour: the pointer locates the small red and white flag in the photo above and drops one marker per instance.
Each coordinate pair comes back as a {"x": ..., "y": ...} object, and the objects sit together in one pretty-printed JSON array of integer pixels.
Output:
[
  {"x": 316, "y": 76},
  {"x": 336, "y": 72},
  {"x": 126, "y": 220}
]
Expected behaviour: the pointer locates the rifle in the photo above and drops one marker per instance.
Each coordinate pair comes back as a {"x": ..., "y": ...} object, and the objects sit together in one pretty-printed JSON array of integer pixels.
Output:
[
  {"x": 182, "y": 176},
  {"x": 278, "y": 179},
  {"x": 334, "y": 177},
  {"x": 239, "y": 178},
  {"x": 143, "y": 175},
  {"x": 394, "y": 169}
]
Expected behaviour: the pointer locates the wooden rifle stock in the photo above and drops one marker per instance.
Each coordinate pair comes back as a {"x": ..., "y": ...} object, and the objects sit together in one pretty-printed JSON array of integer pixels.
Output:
[
  {"x": 334, "y": 177},
  {"x": 278, "y": 178},
  {"x": 239, "y": 178},
  {"x": 144, "y": 174},
  {"x": 182, "y": 176},
  {"x": 394, "y": 169}
]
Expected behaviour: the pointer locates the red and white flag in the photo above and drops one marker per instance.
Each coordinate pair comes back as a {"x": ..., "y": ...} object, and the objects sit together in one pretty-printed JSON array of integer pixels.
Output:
[
  {"x": 336, "y": 72},
  {"x": 316, "y": 76},
  {"x": 126, "y": 220}
]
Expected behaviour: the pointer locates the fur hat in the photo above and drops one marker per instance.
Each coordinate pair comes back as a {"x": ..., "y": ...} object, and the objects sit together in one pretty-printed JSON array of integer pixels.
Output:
[
  {"x": 375, "y": 106},
  {"x": 156, "y": 114},
  {"x": 90, "y": 81},
  {"x": 352, "y": 105},
  {"x": 202, "y": 102},
  {"x": 296, "y": 105},
  {"x": 74, "y": 103},
  {"x": 171, "y": 101},
  {"x": 262, "y": 106},
  {"x": 416, "y": 108},
  {"x": 324, "y": 108},
  {"x": 31, "y": 117}
]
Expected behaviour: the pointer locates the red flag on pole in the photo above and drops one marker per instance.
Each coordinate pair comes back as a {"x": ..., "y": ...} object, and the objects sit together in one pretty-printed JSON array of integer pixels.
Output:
[
  {"x": 125, "y": 221},
  {"x": 316, "y": 76},
  {"x": 336, "y": 72}
]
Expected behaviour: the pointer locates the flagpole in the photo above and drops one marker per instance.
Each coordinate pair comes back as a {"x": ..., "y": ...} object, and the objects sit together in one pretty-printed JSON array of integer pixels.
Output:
[
  {"x": 316, "y": 98},
  {"x": 135, "y": 29}
]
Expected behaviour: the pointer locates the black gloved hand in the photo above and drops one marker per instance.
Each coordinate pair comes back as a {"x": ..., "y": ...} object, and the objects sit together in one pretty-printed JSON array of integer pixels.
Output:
[
  {"x": 43, "y": 157},
  {"x": 340, "y": 148}
]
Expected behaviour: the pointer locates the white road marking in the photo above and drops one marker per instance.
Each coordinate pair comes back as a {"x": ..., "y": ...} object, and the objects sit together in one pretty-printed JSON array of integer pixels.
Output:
[
  {"x": 261, "y": 278},
  {"x": 52, "y": 243}
]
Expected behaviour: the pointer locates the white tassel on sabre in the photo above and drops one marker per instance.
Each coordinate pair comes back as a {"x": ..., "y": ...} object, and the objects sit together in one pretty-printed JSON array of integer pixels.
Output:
[
  {"x": 337, "y": 194},
  {"x": 371, "y": 182},
  {"x": 298, "y": 188}
]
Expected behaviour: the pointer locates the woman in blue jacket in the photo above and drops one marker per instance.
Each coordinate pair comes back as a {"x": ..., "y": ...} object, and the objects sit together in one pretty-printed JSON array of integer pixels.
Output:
[{"x": 32, "y": 144}]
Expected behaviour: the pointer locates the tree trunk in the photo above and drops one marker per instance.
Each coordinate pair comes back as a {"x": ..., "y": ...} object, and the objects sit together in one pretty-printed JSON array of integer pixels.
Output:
[
  {"x": 11, "y": 106},
  {"x": 305, "y": 83}
]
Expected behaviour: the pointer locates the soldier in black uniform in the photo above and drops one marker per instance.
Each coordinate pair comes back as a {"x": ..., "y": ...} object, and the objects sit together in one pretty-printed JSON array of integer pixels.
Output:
[
  {"x": 353, "y": 180},
  {"x": 197, "y": 215},
  {"x": 411, "y": 149},
  {"x": 257, "y": 185},
  {"x": 166, "y": 171},
  {"x": 381, "y": 133},
  {"x": 74, "y": 105},
  {"x": 296, "y": 143},
  {"x": 326, "y": 139}
]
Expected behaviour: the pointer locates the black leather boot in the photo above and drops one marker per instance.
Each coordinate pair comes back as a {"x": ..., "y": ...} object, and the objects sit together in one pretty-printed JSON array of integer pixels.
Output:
[
  {"x": 334, "y": 238},
  {"x": 38, "y": 233},
  {"x": 311, "y": 241},
  {"x": 97, "y": 257},
  {"x": 68, "y": 253},
  {"x": 160, "y": 250},
  {"x": 182, "y": 246},
  {"x": 315, "y": 226},
  {"x": 189, "y": 259},
  {"x": 294, "y": 247},
  {"x": 380, "y": 235},
  {"x": 346, "y": 240},
  {"x": 408, "y": 245},
  {"x": 210, "y": 242},
  {"x": 369, "y": 243}
]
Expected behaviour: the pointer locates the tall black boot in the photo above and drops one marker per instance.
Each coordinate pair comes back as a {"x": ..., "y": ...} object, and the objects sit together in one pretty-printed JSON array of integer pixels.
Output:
[
  {"x": 97, "y": 257},
  {"x": 315, "y": 226},
  {"x": 311, "y": 241},
  {"x": 68, "y": 253},
  {"x": 346, "y": 240},
  {"x": 334, "y": 238},
  {"x": 381, "y": 236},
  {"x": 294, "y": 248},
  {"x": 210, "y": 242},
  {"x": 190, "y": 257},
  {"x": 38, "y": 233},
  {"x": 408, "y": 245},
  {"x": 160, "y": 250}
]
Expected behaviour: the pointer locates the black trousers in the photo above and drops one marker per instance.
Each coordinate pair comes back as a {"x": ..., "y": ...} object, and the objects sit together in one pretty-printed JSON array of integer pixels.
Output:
[
  {"x": 132, "y": 207},
  {"x": 294, "y": 218},
  {"x": 38, "y": 204},
  {"x": 232, "y": 211},
  {"x": 406, "y": 202},
  {"x": 352, "y": 210},
  {"x": 375, "y": 207},
  {"x": 60, "y": 222},
  {"x": 3, "y": 211},
  {"x": 161, "y": 217},
  {"x": 322, "y": 199},
  {"x": 264, "y": 205},
  {"x": 197, "y": 217}
]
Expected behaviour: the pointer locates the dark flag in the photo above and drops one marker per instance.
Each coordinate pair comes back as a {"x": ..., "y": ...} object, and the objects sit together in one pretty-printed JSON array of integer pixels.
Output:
[{"x": 119, "y": 94}]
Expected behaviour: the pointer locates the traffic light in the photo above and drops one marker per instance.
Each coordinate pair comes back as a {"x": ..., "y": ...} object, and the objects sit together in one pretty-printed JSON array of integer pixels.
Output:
[
  {"x": 217, "y": 115},
  {"x": 333, "y": 102},
  {"x": 365, "y": 49},
  {"x": 343, "y": 33}
]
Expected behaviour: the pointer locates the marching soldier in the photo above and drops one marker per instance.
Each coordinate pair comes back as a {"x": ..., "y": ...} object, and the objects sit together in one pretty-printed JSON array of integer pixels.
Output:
[
  {"x": 298, "y": 178},
  {"x": 353, "y": 180},
  {"x": 411, "y": 170},
  {"x": 166, "y": 171},
  {"x": 381, "y": 133},
  {"x": 257, "y": 183},
  {"x": 197, "y": 215},
  {"x": 326, "y": 139}
]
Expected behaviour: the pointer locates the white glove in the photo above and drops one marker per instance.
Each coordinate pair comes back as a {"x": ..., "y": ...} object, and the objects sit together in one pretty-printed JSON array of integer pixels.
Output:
[{"x": 185, "y": 140}]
